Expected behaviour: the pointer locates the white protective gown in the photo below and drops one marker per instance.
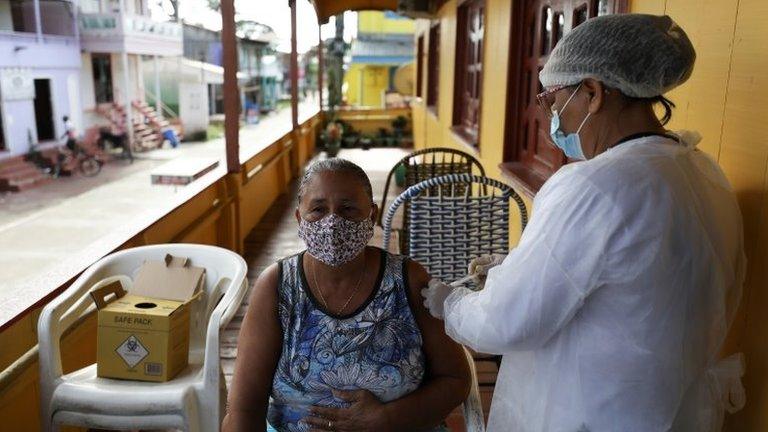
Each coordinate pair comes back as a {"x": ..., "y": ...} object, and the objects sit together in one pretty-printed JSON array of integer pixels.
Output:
[{"x": 611, "y": 311}]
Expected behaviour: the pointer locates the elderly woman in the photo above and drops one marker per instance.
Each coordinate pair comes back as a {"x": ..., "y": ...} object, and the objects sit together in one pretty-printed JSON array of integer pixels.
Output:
[
  {"x": 337, "y": 335},
  {"x": 612, "y": 310}
]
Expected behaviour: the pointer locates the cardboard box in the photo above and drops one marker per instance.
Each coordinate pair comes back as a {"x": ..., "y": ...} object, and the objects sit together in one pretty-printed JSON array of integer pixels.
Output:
[{"x": 144, "y": 335}]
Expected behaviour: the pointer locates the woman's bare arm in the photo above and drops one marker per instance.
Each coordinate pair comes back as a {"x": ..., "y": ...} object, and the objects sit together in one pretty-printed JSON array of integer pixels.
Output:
[
  {"x": 258, "y": 351},
  {"x": 446, "y": 382}
]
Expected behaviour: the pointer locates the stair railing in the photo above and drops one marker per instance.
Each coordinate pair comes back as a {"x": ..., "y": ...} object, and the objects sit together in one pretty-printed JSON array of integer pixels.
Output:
[{"x": 167, "y": 111}]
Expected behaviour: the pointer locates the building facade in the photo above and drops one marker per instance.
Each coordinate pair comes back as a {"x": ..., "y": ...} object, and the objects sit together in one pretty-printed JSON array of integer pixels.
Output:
[
  {"x": 117, "y": 38},
  {"x": 39, "y": 73},
  {"x": 256, "y": 69},
  {"x": 384, "y": 42}
]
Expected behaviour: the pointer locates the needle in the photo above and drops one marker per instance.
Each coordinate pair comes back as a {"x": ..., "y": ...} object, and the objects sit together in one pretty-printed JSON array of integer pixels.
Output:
[{"x": 463, "y": 280}]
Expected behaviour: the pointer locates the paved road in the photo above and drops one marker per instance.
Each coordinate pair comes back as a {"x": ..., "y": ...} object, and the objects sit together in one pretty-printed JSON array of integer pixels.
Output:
[{"x": 43, "y": 226}]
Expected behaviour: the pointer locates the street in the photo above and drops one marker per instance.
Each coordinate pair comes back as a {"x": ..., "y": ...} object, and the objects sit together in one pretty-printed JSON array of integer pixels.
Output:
[{"x": 43, "y": 226}]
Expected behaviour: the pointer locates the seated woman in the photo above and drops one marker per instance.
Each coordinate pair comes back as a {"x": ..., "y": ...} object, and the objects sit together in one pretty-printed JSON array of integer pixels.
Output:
[{"x": 337, "y": 335}]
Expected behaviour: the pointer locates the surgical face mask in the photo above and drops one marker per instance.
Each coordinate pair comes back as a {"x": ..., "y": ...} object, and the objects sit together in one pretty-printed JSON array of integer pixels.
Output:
[
  {"x": 570, "y": 144},
  {"x": 334, "y": 240}
]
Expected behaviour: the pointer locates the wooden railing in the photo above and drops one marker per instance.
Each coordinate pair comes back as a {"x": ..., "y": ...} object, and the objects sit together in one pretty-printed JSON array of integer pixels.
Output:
[{"x": 220, "y": 210}]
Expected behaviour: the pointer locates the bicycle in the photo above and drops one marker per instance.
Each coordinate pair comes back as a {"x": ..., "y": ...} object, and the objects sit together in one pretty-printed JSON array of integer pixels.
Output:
[
  {"x": 89, "y": 165},
  {"x": 115, "y": 144}
]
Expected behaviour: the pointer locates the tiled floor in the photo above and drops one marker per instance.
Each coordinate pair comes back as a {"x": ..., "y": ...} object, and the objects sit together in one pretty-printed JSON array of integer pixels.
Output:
[{"x": 275, "y": 237}]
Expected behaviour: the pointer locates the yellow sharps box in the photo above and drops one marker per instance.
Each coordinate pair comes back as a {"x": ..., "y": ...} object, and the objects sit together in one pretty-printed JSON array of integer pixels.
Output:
[{"x": 144, "y": 334}]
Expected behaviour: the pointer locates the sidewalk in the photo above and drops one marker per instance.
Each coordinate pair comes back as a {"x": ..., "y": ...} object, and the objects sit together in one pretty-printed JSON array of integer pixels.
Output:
[{"x": 43, "y": 226}]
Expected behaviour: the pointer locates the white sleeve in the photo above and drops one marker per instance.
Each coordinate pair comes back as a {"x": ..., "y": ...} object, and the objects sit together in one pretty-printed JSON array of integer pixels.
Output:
[{"x": 543, "y": 282}]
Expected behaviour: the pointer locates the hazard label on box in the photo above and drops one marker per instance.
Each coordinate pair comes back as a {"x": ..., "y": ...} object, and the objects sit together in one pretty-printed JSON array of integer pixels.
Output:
[{"x": 132, "y": 351}]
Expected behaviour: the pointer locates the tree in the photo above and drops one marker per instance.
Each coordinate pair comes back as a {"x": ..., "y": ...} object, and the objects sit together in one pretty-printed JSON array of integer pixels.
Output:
[{"x": 174, "y": 6}]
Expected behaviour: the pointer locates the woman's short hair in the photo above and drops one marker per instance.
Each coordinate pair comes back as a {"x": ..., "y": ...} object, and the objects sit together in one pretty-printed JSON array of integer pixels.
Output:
[{"x": 335, "y": 165}]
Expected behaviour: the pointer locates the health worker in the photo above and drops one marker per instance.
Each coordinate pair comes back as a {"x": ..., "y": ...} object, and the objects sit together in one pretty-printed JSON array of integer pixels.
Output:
[{"x": 612, "y": 310}]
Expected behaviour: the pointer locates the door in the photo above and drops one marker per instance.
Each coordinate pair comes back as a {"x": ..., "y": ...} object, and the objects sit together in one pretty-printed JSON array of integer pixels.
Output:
[
  {"x": 44, "y": 110},
  {"x": 102, "y": 78},
  {"x": 2, "y": 132},
  {"x": 469, "y": 69},
  {"x": 545, "y": 22}
]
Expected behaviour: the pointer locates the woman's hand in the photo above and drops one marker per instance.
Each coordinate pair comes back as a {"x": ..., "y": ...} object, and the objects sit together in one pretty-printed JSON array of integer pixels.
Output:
[
  {"x": 364, "y": 414},
  {"x": 434, "y": 297}
]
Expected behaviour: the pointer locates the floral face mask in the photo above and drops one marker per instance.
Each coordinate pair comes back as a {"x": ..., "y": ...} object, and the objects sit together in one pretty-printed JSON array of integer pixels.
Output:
[{"x": 335, "y": 240}]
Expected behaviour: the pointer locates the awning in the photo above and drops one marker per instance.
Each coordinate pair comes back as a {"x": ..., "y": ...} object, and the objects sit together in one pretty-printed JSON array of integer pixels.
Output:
[
  {"x": 328, "y": 8},
  {"x": 383, "y": 50}
]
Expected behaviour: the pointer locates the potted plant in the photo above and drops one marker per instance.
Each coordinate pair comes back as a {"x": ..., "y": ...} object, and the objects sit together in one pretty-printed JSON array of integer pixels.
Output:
[
  {"x": 332, "y": 138},
  {"x": 398, "y": 127},
  {"x": 366, "y": 142},
  {"x": 350, "y": 137}
]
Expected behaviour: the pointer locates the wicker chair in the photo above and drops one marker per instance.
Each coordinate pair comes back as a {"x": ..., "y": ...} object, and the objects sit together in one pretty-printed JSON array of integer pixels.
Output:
[
  {"x": 447, "y": 230},
  {"x": 423, "y": 165}
]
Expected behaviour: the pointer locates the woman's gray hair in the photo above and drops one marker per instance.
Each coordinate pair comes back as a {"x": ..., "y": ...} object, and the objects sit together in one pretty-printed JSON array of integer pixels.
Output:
[{"x": 335, "y": 165}]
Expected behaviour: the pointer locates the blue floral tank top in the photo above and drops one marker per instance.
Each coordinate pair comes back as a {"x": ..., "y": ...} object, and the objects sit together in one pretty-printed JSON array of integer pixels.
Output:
[{"x": 376, "y": 347}]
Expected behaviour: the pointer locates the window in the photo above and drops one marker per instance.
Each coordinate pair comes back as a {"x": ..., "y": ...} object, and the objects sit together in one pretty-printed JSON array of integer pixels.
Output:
[
  {"x": 419, "y": 65},
  {"x": 530, "y": 157},
  {"x": 469, "y": 69},
  {"x": 20, "y": 18},
  {"x": 433, "y": 66}
]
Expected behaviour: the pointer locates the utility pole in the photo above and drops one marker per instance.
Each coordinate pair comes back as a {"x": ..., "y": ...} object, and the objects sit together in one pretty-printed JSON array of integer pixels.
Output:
[{"x": 336, "y": 65}]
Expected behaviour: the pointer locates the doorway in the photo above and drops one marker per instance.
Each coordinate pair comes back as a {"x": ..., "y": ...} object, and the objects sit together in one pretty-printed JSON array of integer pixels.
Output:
[
  {"x": 44, "y": 110},
  {"x": 2, "y": 132},
  {"x": 102, "y": 78}
]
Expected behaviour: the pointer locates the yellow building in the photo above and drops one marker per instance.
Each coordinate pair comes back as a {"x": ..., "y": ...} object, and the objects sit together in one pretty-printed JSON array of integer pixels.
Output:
[
  {"x": 726, "y": 100},
  {"x": 383, "y": 43}
]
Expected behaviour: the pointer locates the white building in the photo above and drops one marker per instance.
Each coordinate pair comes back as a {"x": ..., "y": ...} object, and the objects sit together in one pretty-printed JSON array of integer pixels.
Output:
[
  {"x": 115, "y": 37},
  {"x": 39, "y": 72}
]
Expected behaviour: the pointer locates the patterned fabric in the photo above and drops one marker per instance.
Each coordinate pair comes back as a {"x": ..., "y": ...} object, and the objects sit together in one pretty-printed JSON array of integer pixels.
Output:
[
  {"x": 377, "y": 347},
  {"x": 335, "y": 240}
]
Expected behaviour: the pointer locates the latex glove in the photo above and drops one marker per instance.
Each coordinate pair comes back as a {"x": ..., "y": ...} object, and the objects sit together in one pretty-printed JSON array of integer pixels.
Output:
[
  {"x": 479, "y": 266},
  {"x": 434, "y": 297}
]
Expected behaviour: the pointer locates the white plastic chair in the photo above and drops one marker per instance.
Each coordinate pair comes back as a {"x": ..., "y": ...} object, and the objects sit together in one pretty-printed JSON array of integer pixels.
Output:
[
  {"x": 474, "y": 421},
  {"x": 192, "y": 400}
]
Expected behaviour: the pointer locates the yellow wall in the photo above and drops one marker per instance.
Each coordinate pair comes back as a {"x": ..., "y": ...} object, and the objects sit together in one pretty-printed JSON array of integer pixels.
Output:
[
  {"x": 365, "y": 84},
  {"x": 726, "y": 100},
  {"x": 375, "y": 22},
  {"x": 434, "y": 129}
]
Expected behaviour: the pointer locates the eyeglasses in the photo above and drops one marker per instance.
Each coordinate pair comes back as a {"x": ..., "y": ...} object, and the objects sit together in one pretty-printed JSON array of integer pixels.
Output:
[{"x": 546, "y": 99}]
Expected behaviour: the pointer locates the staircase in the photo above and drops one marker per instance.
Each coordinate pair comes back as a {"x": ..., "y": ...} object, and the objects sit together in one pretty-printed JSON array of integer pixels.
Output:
[
  {"x": 17, "y": 174},
  {"x": 142, "y": 136},
  {"x": 147, "y": 125},
  {"x": 149, "y": 117}
]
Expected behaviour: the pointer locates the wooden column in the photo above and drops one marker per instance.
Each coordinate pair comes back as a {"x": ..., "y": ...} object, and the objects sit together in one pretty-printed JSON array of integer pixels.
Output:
[
  {"x": 158, "y": 99},
  {"x": 294, "y": 68},
  {"x": 320, "y": 65},
  {"x": 231, "y": 91}
]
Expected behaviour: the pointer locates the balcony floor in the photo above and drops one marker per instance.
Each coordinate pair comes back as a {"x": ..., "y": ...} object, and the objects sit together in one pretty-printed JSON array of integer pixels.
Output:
[{"x": 275, "y": 237}]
